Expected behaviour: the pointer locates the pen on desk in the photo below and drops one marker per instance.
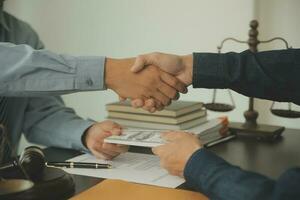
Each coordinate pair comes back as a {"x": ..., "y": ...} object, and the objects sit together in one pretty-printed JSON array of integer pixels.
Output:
[
  {"x": 218, "y": 141},
  {"x": 78, "y": 165}
]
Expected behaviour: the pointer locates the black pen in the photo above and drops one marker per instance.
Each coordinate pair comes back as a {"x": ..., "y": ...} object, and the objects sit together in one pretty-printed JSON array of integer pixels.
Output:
[
  {"x": 219, "y": 140},
  {"x": 78, "y": 165}
]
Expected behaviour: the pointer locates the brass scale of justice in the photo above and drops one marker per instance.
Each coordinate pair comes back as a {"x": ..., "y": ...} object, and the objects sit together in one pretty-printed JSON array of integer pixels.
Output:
[{"x": 250, "y": 127}]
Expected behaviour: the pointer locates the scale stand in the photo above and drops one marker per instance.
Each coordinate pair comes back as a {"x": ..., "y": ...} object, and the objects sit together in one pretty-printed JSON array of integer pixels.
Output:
[{"x": 250, "y": 128}]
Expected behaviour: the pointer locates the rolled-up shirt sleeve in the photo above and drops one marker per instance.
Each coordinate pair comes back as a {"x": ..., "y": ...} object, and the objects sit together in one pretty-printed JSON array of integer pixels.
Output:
[
  {"x": 29, "y": 72},
  {"x": 49, "y": 122}
]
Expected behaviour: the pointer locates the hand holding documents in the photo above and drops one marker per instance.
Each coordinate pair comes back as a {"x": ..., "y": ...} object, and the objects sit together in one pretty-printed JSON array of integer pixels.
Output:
[
  {"x": 133, "y": 167},
  {"x": 208, "y": 132}
]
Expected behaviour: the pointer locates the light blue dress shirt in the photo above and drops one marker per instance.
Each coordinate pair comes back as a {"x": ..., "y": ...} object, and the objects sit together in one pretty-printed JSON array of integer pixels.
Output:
[{"x": 31, "y": 80}]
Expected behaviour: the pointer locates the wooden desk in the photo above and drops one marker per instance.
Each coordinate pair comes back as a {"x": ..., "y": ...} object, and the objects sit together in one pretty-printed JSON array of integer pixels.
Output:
[{"x": 270, "y": 159}]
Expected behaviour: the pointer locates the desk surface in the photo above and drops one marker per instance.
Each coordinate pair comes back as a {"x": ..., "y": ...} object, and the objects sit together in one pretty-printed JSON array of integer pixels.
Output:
[{"x": 270, "y": 159}]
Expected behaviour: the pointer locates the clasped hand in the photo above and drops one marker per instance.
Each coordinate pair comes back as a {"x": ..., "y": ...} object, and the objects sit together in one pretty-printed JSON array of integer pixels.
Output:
[{"x": 151, "y": 81}]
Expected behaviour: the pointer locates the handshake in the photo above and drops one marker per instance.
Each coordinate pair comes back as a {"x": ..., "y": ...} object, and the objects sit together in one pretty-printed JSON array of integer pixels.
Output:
[{"x": 150, "y": 81}]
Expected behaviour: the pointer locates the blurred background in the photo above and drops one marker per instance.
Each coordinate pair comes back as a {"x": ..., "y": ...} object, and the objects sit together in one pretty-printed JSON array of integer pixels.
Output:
[{"x": 126, "y": 28}]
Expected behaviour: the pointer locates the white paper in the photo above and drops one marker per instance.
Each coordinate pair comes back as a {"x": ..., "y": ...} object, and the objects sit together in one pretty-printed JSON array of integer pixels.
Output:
[{"x": 133, "y": 167}]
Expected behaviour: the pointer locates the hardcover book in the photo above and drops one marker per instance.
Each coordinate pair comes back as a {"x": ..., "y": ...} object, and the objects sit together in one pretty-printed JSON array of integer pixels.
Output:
[
  {"x": 153, "y": 125},
  {"x": 175, "y": 109},
  {"x": 159, "y": 119}
]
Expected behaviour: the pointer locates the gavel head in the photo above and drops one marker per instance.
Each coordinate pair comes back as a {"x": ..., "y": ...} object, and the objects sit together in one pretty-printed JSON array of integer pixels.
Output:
[{"x": 32, "y": 161}]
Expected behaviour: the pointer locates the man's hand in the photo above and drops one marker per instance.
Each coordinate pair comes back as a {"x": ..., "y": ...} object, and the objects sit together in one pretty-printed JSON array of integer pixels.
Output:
[
  {"x": 94, "y": 140},
  {"x": 179, "y": 66},
  {"x": 176, "y": 152},
  {"x": 148, "y": 83}
]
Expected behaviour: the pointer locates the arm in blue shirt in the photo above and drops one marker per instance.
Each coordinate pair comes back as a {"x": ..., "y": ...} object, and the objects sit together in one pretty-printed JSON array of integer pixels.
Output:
[
  {"x": 270, "y": 75},
  {"x": 29, "y": 72},
  {"x": 220, "y": 180},
  {"x": 47, "y": 121}
]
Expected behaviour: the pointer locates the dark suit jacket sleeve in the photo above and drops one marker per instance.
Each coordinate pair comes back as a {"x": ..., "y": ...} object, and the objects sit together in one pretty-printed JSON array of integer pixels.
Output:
[
  {"x": 219, "y": 180},
  {"x": 273, "y": 75}
]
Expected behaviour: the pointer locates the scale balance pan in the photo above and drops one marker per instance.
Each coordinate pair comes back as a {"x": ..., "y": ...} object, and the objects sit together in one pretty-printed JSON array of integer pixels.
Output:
[{"x": 219, "y": 107}]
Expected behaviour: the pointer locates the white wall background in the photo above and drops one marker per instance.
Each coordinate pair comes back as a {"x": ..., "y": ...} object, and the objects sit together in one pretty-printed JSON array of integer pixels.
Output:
[{"x": 122, "y": 28}]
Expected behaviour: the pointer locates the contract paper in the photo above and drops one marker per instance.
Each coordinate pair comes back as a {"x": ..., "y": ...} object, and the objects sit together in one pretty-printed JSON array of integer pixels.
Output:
[{"x": 133, "y": 167}]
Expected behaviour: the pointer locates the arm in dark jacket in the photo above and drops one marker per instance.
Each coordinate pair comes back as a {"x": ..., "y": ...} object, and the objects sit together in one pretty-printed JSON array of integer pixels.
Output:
[
  {"x": 273, "y": 75},
  {"x": 220, "y": 180}
]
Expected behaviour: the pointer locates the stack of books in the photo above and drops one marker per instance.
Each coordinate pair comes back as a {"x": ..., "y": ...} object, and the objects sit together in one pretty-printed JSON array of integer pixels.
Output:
[{"x": 180, "y": 115}]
